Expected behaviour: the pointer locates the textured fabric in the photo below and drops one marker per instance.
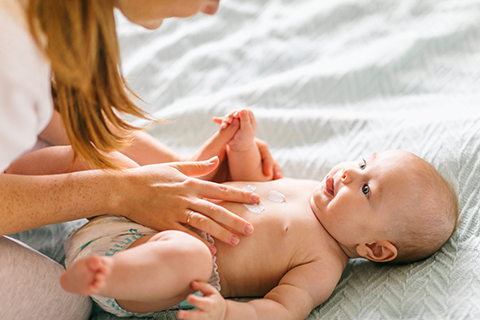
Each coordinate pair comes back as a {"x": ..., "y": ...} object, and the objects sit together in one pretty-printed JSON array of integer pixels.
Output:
[
  {"x": 331, "y": 81},
  {"x": 49, "y": 239},
  {"x": 328, "y": 82},
  {"x": 31, "y": 287}
]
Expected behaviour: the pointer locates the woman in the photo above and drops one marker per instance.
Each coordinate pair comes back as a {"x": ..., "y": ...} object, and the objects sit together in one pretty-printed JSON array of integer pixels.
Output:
[{"x": 64, "y": 55}]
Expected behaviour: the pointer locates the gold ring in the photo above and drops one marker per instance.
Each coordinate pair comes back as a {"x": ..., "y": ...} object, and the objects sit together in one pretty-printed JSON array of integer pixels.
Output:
[{"x": 189, "y": 217}]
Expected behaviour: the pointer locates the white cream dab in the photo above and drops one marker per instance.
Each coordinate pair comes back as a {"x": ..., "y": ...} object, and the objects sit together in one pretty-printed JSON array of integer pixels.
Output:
[
  {"x": 276, "y": 196},
  {"x": 254, "y": 208},
  {"x": 249, "y": 188}
]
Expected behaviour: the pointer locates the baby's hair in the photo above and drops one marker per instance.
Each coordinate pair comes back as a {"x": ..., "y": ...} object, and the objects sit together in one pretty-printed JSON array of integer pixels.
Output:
[{"x": 434, "y": 218}]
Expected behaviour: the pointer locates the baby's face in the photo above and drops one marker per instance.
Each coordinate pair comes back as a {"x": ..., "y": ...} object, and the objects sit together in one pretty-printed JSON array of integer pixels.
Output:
[{"x": 356, "y": 201}]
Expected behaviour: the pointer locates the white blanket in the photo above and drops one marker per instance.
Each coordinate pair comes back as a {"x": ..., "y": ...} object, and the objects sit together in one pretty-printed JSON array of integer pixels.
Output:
[{"x": 331, "y": 81}]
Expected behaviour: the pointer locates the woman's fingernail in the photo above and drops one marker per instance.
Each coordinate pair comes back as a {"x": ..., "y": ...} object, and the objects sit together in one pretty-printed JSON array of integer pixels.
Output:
[
  {"x": 255, "y": 197},
  {"x": 248, "y": 229},
  {"x": 212, "y": 160},
  {"x": 213, "y": 250},
  {"x": 234, "y": 240}
]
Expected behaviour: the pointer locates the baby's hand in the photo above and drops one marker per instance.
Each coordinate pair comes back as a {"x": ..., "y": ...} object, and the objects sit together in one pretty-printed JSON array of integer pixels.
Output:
[
  {"x": 227, "y": 120},
  {"x": 211, "y": 306},
  {"x": 244, "y": 137}
]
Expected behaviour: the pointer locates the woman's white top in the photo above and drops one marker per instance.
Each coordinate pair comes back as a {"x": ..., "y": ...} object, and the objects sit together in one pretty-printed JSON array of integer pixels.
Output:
[{"x": 26, "y": 105}]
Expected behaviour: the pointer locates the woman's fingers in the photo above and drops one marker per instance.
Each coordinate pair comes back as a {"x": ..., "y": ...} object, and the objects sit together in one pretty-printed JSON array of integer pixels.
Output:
[
  {"x": 168, "y": 198},
  {"x": 212, "y": 223},
  {"x": 211, "y": 190},
  {"x": 215, "y": 191},
  {"x": 222, "y": 216},
  {"x": 196, "y": 168}
]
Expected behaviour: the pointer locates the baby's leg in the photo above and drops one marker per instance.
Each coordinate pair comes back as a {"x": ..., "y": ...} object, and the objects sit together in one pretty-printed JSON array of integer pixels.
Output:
[
  {"x": 244, "y": 157},
  {"x": 215, "y": 146},
  {"x": 152, "y": 275},
  {"x": 244, "y": 138}
]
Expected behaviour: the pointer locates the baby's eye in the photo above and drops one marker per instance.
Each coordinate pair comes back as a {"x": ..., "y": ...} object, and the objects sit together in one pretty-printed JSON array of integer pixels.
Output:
[
  {"x": 366, "y": 190},
  {"x": 363, "y": 164}
]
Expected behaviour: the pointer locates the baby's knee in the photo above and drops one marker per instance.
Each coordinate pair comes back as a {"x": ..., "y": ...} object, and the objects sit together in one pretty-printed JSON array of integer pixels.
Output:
[{"x": 191, "y": 256}]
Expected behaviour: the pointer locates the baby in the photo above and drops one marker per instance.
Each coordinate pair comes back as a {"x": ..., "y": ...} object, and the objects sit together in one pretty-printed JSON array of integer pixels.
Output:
[{"x": 390, "y": 207}]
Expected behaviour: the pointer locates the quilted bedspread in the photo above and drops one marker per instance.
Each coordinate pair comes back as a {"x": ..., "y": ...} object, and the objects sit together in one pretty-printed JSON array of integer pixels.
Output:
[{"x": 331, "y": 81}]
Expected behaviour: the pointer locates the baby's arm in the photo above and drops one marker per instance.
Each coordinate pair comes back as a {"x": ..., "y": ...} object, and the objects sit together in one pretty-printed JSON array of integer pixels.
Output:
[
  {"x": 244, "y": 157},
  {"x": 300, "y": 290}
]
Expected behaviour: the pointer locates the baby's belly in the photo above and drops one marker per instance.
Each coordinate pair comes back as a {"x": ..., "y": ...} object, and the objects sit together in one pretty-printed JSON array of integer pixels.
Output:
[
  {"x": 257, "y": 263},
  {"x": 250, "y": 276}
]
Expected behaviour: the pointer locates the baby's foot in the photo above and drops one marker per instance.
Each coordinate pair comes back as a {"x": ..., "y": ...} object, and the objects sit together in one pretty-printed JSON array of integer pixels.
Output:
[
  {"x": 87, "y": 276},
  {"x": 239, "y": 127},
  {"x": 245, "y": 136}
]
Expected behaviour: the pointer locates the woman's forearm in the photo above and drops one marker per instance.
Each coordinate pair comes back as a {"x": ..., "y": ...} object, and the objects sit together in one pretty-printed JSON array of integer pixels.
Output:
[
  {"x": 145, "y": 149},
  {"x": 33, "y": 201}
]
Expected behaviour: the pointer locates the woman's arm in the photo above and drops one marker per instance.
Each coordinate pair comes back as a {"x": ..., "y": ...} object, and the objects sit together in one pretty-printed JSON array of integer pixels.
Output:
[
  {"x": 158, "y": 196},
  {"x": 59, "y": 159},
  {"x": 32, "y": 201},
  {"x": 144, "y": 148}
]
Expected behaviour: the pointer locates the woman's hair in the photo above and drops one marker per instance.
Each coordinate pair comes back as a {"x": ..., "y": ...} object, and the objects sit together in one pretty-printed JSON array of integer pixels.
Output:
[{"x": 88, "y": 87}]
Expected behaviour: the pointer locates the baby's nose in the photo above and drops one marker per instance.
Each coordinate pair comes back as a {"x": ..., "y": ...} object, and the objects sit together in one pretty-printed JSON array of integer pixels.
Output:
[{"x": 348, "y": 175}]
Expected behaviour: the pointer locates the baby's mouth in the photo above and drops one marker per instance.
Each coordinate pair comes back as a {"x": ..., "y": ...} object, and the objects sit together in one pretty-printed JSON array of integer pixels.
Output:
[{"x": 329, "y": 184}]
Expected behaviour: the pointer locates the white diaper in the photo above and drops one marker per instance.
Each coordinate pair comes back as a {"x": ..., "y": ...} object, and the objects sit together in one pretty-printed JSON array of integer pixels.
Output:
[
  {"x": 107, "y": 235},
  {"x": 104, "y": 235}
]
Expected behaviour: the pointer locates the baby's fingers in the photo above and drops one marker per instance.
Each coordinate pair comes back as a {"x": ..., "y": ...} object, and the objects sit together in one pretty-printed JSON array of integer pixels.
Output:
[
  {"x": 205, "y": 288},
  {"x": 191, "y": 315},
  {"x": 210, "y": 306},
  {"x": 201, "y": 303}
]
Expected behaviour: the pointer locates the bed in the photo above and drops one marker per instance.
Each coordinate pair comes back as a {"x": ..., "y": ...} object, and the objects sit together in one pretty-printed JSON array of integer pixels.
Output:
[{"x": 331, "y": 81}]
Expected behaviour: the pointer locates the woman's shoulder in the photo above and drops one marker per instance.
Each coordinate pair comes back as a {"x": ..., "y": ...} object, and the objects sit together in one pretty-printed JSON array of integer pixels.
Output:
[
  {"x": 25, "y": 94},
  {"x": 24, "y": 68},
  {"x": 17, "y": 46},
  {"x": 13, "y": 13}
]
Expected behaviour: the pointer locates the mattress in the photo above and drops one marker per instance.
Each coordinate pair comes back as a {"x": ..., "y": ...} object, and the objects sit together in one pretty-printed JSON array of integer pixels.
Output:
[{"x": 331, "y": 81}]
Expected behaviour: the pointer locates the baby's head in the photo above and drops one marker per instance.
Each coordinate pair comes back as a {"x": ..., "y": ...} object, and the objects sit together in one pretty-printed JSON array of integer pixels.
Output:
[{"x": 393, "y": 206}]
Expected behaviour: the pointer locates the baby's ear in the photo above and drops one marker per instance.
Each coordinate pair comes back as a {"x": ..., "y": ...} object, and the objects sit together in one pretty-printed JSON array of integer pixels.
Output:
[{"x": 382, "y": 251}]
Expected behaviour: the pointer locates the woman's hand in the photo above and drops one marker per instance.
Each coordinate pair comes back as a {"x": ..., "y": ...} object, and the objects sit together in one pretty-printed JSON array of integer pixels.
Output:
[{"x": 165, "y": 196}]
